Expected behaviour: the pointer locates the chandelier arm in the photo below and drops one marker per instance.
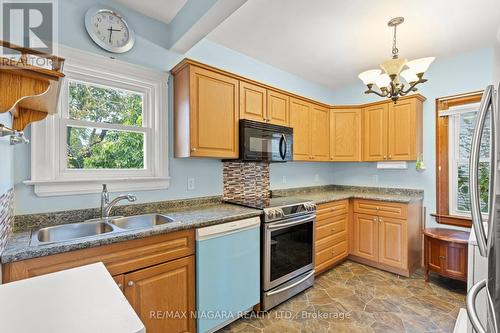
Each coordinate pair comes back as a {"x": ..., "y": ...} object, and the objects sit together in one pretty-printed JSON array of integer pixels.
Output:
[
  {"x": 371, "y": 91},
  {"x": 412, "y": 86}
]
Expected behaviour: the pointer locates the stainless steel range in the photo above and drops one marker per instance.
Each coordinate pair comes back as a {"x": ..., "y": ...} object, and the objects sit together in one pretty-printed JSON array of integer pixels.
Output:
[{"x": 287, "y": 247}]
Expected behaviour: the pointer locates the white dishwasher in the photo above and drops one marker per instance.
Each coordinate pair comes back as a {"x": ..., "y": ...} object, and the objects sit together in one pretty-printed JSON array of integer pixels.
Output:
[{"x": 227, "y": 272}]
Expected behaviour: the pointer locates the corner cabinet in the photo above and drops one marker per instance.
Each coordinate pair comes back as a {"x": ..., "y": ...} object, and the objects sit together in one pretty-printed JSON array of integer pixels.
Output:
[
  {"x": 311, "y": 130},
  {"x": 393, "y": 131},
  {"x": 206, "y": 113},
  {"x": 345, "y": 135}
]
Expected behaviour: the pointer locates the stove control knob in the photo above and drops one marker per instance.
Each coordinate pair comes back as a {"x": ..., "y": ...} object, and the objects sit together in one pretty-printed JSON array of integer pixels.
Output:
[
  {"x": 271, "y": 214},
  {"x": 280, "y": 213}
]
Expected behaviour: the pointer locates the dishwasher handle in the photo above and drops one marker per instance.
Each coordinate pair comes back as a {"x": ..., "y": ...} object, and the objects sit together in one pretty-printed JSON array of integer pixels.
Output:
[{"x": 224, "y": 229}]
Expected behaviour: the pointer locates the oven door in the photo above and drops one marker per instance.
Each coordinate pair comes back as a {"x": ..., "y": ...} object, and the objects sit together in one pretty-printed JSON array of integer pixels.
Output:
[
  {"x": 264, "y": 142},
  {"x": 288, "y": 249}
]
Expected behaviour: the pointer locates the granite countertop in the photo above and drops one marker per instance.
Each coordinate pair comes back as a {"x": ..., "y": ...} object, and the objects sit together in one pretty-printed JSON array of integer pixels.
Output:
[
  {"x": 323, "y": 194},
  {"x": 187, "y": 213},
  {"x": 18, "y": 244}
]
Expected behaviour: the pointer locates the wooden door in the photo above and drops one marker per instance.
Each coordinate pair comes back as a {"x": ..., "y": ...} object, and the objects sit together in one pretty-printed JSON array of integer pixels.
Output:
[
  {"x": 320, "y": 133},
  {"x": 433, "y": 254},
  {"x": 164, "y": 290},
  {"x": 454, "y": 260},
  {"x": 345, "y": 135},
  {"x": 253, "y": 102},
  {"x": 300, "y": 122},
  {"x": 375, "y": 133},
  {"x": 214, "y": 114},
  {"x": 365, "y": 236},
  {"x": 278, "y": 108},
  {"x": 402, "y": 129},
  {"x": 393, "y": 242}
]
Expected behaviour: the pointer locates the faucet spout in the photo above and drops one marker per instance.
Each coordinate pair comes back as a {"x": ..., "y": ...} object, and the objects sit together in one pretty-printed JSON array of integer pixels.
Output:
[{"x": 106, "y": 206}]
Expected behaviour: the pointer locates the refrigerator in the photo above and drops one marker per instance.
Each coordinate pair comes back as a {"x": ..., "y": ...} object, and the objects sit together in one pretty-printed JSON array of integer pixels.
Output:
[{"x": 488, "y": 238}]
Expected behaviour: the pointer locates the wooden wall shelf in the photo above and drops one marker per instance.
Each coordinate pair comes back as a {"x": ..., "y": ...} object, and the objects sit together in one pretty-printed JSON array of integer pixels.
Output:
[{"x": 29, "y": 92}]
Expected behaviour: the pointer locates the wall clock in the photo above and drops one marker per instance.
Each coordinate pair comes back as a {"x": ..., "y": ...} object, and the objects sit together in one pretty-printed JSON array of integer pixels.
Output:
[{"x": 109, "y": 30}]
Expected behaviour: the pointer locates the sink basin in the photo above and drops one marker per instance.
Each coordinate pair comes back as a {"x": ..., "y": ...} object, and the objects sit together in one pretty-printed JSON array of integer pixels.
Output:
[
  {"x": 141, "y": 221},
  {"x": 65, "y": 232}
]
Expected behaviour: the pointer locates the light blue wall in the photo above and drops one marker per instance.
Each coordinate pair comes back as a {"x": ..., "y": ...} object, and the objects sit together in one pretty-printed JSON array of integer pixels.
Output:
[
  {"x": 459, "y": 74},
  {"x": 207, "y": 173},
  {"x": 6, "y": 158}
]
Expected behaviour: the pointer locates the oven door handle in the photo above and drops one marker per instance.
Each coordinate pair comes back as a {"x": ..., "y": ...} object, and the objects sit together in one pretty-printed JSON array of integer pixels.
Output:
[
  {"x": 274, "y": 292},
  {"x": 288, "y": 224}
]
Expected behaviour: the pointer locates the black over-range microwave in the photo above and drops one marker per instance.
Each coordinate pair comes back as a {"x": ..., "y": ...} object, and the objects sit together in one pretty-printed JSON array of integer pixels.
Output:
[{"x": 265, "y": 142}]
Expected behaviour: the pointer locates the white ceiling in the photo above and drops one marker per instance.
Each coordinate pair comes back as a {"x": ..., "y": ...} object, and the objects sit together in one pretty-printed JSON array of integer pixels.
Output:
[
  {"x": 330, "y": 41},
  {"x": 162, "y": 10}
]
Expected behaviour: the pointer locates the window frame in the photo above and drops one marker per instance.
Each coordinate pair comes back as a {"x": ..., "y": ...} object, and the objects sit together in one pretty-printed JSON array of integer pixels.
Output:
[
  {"x": 49, "y": 172},
  {"x": 443, "y": 213}
]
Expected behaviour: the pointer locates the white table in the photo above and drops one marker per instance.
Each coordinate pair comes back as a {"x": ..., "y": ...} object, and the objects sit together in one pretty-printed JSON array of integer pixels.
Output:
[{"x": 78, "y": 300}]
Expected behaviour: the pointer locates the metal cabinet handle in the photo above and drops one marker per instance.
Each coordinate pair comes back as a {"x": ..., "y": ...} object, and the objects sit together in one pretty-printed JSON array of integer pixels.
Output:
[
  {"x": 390, "y": 156},
  {"x": 333, "y": 229},
  {"x": 385, "y": 157},
  {"x": 193, "y": 149},
  {"x": 442, "y": 257},
  {"x": 477, "y": 219},
  {"x": 130, "y": 283},
  {"x": 120, "y": 285},
  {"x": 471, "y": 305},
  {"x": 380, "y": 219},
  {"x": 375, "y": 220}
]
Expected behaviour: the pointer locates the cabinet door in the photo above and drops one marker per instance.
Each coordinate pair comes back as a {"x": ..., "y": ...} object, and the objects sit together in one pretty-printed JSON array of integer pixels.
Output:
[
  {"x": 365, "y": 236},
  {"x": 433, "y": 254},
  {"x": 299, "y": 121},
  {"x": 345, "y": 135},
  {"x": 375, "y": 133},
  {"x": 119, "y": 280},
  {"x": 402, "y": 129},
  {"x": 278, "y": 108},
  {"x": 393, "y": 242},
  {"x": 162, "y": 290},
  {"x": 454, "y": 260},
  {"x": 214, "y": 114},
  {"x": 320, "y": 133},
  {"x": 253, "y": 102}
]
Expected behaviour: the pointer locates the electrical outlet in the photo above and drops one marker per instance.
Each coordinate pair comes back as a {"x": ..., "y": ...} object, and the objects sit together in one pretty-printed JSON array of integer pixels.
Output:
[
  {"x": 316, "y": 178},
  {"x": 190, "y": 184},
  {"x": 284, "y": 179}
]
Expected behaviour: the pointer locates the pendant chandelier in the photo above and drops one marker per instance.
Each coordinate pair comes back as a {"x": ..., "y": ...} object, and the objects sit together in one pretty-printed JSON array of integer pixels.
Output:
[{"x": 389, "y": 82}]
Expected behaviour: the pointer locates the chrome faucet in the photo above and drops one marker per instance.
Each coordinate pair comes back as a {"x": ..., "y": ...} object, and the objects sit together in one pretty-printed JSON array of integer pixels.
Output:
[{"x": 106, "y": 206}]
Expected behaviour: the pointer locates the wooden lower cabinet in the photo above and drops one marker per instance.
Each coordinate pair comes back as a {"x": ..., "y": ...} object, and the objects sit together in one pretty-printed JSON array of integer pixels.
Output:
[
  {"x": 387, "y": 235},
  {"x": 331, "y": 234},
  {"x": 163, "y": 296},
  {"x": 157, "y": 275},
  {"x": 445, "y": 252},
  {"x": 366, "y": 234}
]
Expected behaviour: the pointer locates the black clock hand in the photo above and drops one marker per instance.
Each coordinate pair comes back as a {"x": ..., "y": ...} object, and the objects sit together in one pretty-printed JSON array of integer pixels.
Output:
[{"x": 111, "y": 32}]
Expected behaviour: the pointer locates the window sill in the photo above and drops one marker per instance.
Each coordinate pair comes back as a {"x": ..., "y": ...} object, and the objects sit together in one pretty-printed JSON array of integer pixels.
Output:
[
  {"x": 50, "y": 188},
  {"x": 458, "y": 221}
]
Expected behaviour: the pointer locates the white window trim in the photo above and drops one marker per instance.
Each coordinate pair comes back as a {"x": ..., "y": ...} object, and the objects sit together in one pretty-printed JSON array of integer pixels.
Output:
[
  {"x": 49, "y": 174},
  {"x": 453, "y": 156}
]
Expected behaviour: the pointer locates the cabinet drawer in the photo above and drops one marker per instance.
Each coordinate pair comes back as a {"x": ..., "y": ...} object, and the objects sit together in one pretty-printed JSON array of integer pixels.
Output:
[
  {"x": 332, "y": 208},
  {"x": 329, "y": 241},
  {"x": 331, "y": 226},
  {"x": 381, "y": 208},
  {"x": 331, "y": 253}
]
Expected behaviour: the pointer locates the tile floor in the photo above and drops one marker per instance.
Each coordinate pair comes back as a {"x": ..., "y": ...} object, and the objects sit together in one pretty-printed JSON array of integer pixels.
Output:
[{"x": 356, "y": 298}]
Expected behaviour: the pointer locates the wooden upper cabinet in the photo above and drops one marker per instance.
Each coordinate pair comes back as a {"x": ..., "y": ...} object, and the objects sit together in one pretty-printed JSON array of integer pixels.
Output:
[
  {"x": 299, "y": 121},
  {"x": 206, "y": 113},
  {"x": 375, "y": 132},
  {"x": 345, "y": 134},
  {"x": 320, "y": 132},
  {"x": 365, "y": 235},
  {"x": 278, "y": 108},
  {"x": 164, "y": 288},
  {"x": 253, "y": 102},
  {"x": 405, "y": 130}
]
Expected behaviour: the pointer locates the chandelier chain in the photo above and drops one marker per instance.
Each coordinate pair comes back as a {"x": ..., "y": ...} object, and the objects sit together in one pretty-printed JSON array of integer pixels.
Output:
[{"x": 395, "y": 50}]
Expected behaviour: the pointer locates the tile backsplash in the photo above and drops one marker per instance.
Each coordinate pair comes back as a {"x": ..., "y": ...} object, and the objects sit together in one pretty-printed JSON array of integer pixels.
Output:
[
  {"x": 6, "y": 216},
  {"x": 246, "y": 180}
]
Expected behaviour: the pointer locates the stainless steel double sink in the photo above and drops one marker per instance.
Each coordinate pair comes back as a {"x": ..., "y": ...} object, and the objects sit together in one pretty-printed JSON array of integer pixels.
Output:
[{"x": 94, "y": 228}]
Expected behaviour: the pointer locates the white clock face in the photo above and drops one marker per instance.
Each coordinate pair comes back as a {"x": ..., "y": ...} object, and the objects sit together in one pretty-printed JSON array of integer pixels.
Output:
[{"x": 109, "y": 30}]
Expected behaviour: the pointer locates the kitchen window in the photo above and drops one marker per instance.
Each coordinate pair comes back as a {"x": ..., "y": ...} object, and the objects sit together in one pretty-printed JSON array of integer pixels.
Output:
[
  {"x": 456, "y": 119},
  {"x": 110, "y": 128}
]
